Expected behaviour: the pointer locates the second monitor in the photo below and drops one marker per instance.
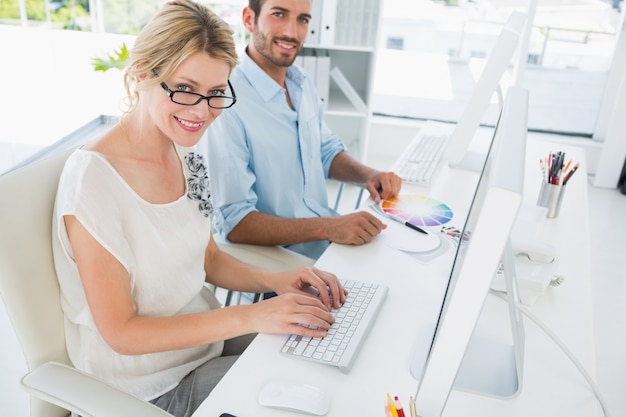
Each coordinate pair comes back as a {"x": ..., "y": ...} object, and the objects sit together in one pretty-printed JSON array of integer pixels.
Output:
[{"x": 452, "y": 354}]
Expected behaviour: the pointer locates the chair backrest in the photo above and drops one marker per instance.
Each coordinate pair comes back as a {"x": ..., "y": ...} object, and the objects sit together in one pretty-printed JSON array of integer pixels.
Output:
[{"x": 28, "y": 282}]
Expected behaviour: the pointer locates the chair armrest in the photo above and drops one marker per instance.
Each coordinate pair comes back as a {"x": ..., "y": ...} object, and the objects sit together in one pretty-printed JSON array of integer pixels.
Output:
[
  {"x": 273, "y": 258},
  {"x": 83, "y": 394}
]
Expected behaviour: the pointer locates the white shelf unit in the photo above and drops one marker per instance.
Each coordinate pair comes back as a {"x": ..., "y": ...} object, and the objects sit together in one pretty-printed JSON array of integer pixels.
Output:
[{"x": 354, "y": 56}]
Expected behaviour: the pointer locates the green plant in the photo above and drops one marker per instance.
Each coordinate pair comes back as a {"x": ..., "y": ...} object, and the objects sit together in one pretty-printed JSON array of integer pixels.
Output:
[{"x": 116, "y": 60}]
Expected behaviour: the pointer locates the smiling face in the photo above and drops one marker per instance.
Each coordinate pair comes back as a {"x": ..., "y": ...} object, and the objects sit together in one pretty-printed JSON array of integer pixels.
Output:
[
  {"x": 278, "y": 33},
  {"x": 182, "y": 124}
]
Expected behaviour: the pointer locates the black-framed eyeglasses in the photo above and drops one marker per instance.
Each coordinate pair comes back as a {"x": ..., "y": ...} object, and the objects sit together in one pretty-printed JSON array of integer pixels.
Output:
[{"x": 191, "y": 99}]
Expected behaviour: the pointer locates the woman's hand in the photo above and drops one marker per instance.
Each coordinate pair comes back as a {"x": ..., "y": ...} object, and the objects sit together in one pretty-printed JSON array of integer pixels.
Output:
[
  {"x": 312, "y": 282},
  {"x": 291, "y": 313}
]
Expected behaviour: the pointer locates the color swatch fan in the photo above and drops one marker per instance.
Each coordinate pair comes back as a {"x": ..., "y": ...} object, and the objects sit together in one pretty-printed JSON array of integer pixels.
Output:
[{"x": 418, "y": 210}]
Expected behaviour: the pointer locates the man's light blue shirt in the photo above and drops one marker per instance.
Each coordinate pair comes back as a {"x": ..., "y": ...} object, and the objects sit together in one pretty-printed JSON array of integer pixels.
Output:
[{"x": 265, "y": 156}]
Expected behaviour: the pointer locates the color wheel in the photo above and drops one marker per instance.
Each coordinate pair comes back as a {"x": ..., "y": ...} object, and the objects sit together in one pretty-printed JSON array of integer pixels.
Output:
[{"x": 418, "y": 210}]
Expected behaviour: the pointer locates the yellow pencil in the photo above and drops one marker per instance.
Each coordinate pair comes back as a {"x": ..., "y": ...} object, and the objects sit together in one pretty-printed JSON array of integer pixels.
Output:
[{"x": 392, "y": 407}]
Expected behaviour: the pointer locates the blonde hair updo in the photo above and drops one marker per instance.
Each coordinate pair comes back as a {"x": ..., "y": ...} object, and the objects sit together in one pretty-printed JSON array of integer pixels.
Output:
[{"x": 180, "y": 29}]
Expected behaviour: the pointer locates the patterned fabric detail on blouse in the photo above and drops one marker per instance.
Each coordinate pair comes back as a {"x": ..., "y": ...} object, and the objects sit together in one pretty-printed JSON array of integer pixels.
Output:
[{"x": 198, "y": 183}]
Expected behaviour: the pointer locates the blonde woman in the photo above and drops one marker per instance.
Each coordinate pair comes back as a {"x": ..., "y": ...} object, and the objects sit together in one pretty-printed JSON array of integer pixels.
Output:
[{"x": 132, "y": 240}]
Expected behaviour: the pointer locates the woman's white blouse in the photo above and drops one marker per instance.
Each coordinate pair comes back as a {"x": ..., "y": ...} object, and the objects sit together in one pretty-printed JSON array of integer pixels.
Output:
[{"x": 162, "y": 246}]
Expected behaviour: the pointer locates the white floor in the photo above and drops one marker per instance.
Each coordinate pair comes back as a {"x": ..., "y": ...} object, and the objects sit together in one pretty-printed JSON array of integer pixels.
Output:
[{"x": 607, "y": 211}]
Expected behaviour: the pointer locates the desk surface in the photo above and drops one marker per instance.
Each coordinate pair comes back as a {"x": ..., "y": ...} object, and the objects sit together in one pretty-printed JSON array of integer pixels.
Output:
[{"x": 552, "y": 385}]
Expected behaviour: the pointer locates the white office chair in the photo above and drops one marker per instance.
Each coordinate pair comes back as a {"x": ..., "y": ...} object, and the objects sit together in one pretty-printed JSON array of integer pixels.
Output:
[
  {"x": 30, "y": 292},
  {"x": 31, "y": 295}
]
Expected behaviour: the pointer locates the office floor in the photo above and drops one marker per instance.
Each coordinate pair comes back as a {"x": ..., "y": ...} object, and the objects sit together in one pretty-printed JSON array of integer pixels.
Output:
[{"x": 607, "y": 220}]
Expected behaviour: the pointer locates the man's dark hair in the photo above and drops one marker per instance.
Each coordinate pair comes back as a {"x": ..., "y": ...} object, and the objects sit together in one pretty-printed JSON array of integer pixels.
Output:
[{"x": 256, "y": 5}]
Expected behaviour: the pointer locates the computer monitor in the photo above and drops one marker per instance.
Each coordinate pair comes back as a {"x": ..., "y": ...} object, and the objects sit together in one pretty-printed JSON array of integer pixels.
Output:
[
  {"x": 453, "y": 354},
  {"x": 457, "y": 153}
]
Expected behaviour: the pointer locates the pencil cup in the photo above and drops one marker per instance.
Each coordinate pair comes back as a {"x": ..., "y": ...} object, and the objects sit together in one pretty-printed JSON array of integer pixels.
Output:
[{"x": 551, "y": 196}]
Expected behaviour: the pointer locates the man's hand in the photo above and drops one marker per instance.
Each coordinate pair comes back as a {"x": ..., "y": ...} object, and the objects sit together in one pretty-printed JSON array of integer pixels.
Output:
[
  {"x": 355, "y": 228},
  {"x": 383, "y": 185}
]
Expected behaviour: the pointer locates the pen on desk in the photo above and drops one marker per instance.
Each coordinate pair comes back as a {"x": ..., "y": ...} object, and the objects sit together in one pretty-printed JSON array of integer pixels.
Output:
[
  {"x": 399, "y": 408},
  {"x": 549, "y": 166},
  {"x": 570, "y": 173},
  {"x": 555, "y": 168},
  {"x": 407, "y": 224},
  {"x": 544, "y": 170},
  {"x": 567, "y": 165},
  {"x": 391, "y": 406},
  {"x": 412, "y": 407}
]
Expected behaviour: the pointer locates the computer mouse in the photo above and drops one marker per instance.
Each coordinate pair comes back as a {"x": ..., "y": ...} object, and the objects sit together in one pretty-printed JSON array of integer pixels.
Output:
[{"x": 294, "y": 396}]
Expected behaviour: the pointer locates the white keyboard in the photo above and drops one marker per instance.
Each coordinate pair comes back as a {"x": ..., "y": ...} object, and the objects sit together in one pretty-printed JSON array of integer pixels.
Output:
[
  {"x": 345, "y": 337},
  {"x": 421, "y": 157}
]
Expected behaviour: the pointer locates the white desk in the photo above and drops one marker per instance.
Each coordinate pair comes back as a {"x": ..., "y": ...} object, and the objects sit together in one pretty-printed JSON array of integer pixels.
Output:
[{"x": 552, "y": 385}]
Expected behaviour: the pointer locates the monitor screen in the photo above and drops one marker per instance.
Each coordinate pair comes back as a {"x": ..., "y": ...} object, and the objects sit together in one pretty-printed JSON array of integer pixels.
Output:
[{"x": 452, "y": 354}]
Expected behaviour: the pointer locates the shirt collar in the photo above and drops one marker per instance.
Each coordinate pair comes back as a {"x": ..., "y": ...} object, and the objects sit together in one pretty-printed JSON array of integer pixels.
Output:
[{"x": 263, "y": 83}]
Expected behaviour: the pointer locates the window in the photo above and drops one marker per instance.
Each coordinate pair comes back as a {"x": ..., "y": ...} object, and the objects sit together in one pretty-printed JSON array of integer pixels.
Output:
[{"x": 569, "y": 55}]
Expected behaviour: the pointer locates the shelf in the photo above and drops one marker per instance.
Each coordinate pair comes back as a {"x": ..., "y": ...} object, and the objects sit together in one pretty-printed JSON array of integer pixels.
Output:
[
  {"x": 348, "y": 48},
  {"x": 340, "y": 105},
  {"x": 339, "y": 55}
]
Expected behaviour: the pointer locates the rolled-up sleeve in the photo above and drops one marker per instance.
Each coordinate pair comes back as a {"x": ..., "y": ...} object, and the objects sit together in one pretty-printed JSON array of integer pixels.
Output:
[
  {"x": 331, "y": 145},
  {"x": 230, "y": 173}
]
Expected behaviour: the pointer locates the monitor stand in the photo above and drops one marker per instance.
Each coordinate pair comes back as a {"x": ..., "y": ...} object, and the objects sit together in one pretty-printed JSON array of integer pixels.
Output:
[
  {"x": 488, "y": 368},
  {"x": 491, "y": 366}
]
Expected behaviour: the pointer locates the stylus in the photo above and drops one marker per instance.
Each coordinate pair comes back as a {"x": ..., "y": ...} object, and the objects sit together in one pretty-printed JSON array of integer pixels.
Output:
[{"x": 407, "y": 224}]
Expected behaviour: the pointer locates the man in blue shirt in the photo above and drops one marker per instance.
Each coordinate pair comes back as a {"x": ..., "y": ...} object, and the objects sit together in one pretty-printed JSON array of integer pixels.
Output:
[{"x": 269, "y": 155}]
